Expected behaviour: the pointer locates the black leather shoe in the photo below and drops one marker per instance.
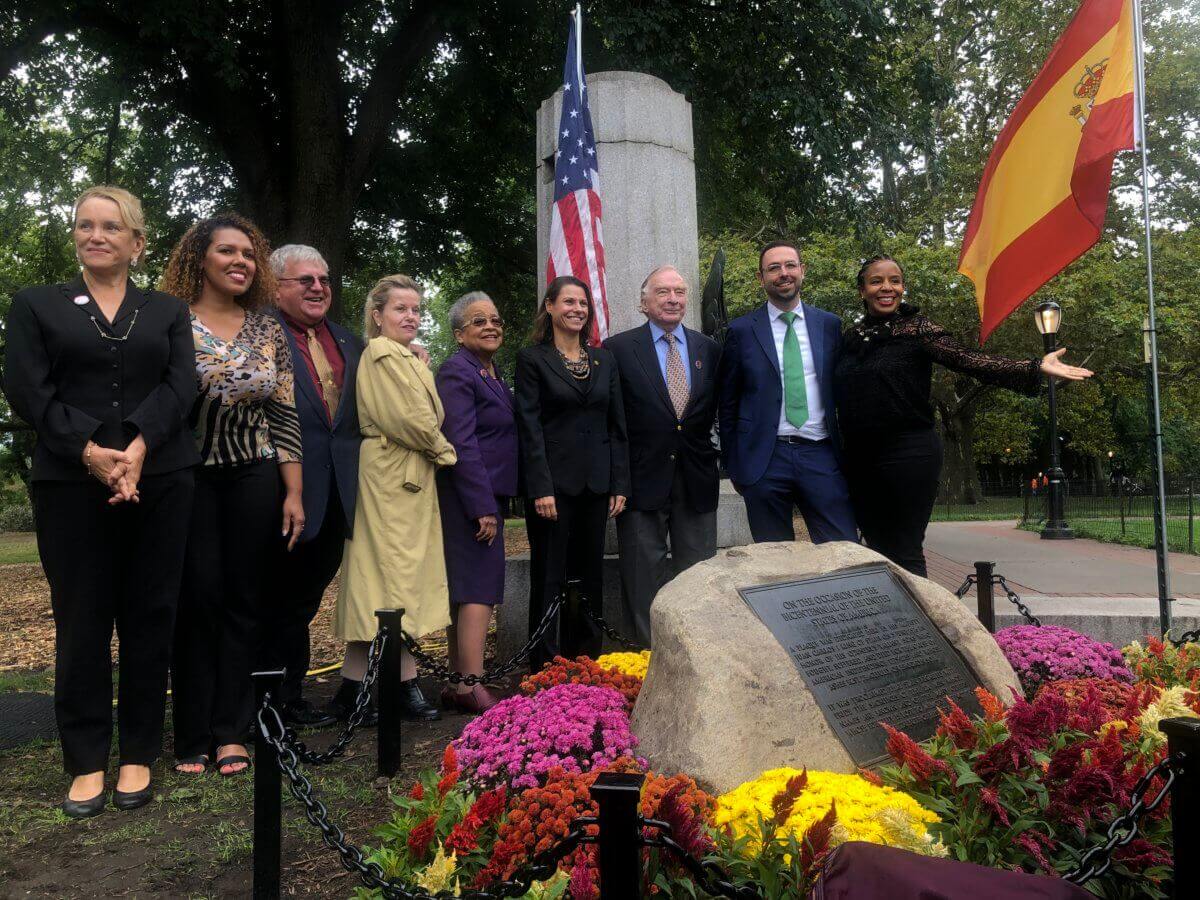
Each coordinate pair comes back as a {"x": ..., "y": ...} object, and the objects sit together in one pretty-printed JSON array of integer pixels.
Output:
[
  {"x": 85, "y": 809},
  {"x": 342, "y": 704},
  {"x": 302, "y": 714},
  {"x": 414, "y": 706},
  {"x": 127, "y": 800}
]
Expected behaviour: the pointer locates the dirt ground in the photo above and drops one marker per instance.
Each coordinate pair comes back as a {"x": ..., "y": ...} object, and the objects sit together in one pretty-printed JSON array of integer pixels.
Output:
[{"x": 194, "y": 839}]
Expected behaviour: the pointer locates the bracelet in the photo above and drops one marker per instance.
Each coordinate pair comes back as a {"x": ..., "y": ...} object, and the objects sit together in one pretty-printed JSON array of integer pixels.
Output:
[{"x": 87, "y": 457}]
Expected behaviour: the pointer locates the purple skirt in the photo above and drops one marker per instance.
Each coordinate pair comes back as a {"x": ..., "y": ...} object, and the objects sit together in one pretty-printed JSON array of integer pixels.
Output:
[{"x": 474, "y": 570}]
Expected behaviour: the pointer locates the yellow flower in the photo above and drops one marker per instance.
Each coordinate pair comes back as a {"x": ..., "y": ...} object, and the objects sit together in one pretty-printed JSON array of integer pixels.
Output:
[
  {"x": 1169, "y": 704},
  {"x": 438, "y": 875},
  {"x": 626, "y": 663},
  {"x": 865, "y": 812},
  {"x": 1114, "y": 725}
]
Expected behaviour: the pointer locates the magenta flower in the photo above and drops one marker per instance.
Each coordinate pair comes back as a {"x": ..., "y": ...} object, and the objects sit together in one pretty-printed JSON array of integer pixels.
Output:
[{"x": 1053, "y": 653}]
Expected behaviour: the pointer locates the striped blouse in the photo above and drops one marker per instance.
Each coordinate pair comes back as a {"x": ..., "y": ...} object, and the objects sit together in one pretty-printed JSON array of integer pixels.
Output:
[{"x": 247, "y": 407}]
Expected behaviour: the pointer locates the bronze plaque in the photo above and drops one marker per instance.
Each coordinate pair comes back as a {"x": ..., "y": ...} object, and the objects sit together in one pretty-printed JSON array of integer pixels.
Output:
[{"x": 868, "y": 653}]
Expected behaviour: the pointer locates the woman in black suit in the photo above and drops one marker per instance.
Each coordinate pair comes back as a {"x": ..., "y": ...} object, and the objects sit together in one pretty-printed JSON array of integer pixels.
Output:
[
  {"x": 104, "y": 373},
  {"x": 574, "y": 461}
]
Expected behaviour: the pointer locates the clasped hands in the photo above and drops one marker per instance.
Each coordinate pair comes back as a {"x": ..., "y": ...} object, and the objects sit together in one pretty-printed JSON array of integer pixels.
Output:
[{"x": 119, "y": 470}]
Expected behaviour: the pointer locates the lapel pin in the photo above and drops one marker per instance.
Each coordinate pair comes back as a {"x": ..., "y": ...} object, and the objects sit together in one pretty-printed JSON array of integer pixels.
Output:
[
  {"x": 81, "y": 300},
  {"x": 699, "y": 364},
  {"x": 483, "y": 374}
]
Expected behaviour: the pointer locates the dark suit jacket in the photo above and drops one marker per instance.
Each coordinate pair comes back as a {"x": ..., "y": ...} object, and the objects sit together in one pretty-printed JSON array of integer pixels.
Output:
[
  {"x": 751, "y": 394},
  {"x": 572, "y": 433},
  {"x": 480, "y": 423},
  {"x": 658, "y": 441},
  {"x": 74, "y": 385},
  {"x": 330, "y": 450}
]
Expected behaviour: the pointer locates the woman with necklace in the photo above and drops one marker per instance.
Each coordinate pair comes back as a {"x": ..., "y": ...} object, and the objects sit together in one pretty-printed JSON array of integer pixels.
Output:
[
  {"x": 248, "y": 487},
  {"x": 892, "y": 451},
  {"x": 474, "y": 493},
  {"x": 102, "y": 370},
  {"x": 575, "y": 462}
]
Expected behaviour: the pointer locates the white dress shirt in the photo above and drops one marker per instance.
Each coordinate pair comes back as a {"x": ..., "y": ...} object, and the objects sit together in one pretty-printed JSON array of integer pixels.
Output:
[{"x": 813, "y": 429}]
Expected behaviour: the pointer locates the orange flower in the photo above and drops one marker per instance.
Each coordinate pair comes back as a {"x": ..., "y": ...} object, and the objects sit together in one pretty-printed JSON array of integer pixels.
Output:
[{"x": 993, "y": 708}]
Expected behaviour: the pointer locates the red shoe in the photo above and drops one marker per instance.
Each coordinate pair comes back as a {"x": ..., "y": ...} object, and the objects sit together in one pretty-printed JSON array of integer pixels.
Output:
[{"x": 479, "y": 699}]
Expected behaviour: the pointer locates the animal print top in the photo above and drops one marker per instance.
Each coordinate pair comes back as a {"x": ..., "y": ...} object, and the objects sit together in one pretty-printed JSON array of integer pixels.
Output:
[{"x": 247, "y": 406}]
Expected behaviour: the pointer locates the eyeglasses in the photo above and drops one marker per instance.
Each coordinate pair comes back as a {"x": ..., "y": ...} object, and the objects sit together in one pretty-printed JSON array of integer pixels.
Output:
[
  {"x": 776, "y": 268},
  {"x": 480, "y": 321},
  {"x": 307, "y": 281}
]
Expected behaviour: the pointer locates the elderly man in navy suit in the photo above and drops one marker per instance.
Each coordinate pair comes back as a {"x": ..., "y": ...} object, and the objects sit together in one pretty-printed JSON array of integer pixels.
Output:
[
  {"x": 779, "y": 438},
  {"x": 325, "y": 359},
  {"x": 668, "y": 381}
]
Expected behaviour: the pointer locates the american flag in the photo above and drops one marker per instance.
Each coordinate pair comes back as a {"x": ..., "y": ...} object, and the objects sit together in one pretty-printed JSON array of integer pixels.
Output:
[{"x": 576, "y": 238}]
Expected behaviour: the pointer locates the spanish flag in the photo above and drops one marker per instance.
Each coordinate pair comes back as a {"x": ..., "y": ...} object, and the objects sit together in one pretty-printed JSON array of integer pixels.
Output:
[{"x": 1044, "y": 193}]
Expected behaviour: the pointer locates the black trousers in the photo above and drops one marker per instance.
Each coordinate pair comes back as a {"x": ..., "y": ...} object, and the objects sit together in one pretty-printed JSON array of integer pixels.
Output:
[
  {"x": 236, "y": 522},
  {"x": 112, "y": 564},
  {"x": 893, "y": 485},
  {"x": 571, "y": 547},
  {"x": 295, "y": 597}
]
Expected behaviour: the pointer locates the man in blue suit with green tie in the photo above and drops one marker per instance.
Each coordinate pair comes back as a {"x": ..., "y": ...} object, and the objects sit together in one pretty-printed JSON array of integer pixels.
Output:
[{"x": 779, "y": 440}]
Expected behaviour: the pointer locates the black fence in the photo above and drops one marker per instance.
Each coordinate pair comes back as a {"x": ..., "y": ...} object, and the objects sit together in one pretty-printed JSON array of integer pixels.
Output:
[{"x": 619, "y": 831}]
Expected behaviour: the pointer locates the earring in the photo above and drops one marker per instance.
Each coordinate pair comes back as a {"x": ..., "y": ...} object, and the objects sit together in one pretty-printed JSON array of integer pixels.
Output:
[{"x": 133, "y": 262}]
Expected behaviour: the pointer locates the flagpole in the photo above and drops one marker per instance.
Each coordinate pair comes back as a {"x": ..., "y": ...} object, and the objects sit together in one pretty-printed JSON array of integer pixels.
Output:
[
  {"x": 1151, "y": 336},
  {"x": 579, "y": 45}
]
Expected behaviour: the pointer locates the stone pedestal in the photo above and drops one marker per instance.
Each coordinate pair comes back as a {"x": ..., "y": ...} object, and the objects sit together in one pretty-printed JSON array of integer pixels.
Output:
[{"x": 647, "y": 186}]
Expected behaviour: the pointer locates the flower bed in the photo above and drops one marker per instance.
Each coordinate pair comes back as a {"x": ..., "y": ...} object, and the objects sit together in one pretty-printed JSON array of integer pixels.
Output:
[
  {"x": 1039, "y": 654},
  {"x": 1030, "y": 787}
]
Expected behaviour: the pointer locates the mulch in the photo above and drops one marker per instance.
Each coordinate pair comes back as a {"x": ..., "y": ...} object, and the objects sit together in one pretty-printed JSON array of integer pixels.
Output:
[{"x": 27, "y": 639}]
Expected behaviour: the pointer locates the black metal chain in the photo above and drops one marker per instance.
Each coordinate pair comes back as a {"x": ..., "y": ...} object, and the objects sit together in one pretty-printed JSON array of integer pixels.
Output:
[
  {"x": 1188, "y": 637},
  {"x": 362, "y": 703},
  {"x": 1013, "y": 597},
  {"x": 540, "y": 868},
  {"x": 1125, "y": 827},
  {"x": 439, "y": 670},
  {"x": 609, "y": 630},
  {"x": 708, "y": 875}
]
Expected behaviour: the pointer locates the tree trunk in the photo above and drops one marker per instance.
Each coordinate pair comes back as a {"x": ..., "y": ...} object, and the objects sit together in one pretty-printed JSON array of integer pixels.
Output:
[{"x": 960, "y": 476}]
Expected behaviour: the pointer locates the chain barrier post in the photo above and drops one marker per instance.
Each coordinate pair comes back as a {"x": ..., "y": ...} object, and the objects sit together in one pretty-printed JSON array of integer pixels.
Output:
[
  {"x": 387, "y": 732},
  {"x": 568, "y": 627},
  {"x": 619, "y": 843},
  {"x": 268, "y": 795},
  {"x": 1183, "y": 749},
  {"x": 985, "y": 594}
]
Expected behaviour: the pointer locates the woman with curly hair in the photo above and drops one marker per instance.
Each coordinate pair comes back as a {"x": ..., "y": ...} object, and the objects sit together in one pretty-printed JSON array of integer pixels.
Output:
[
  {"x": 248, "y": 435},
  {"x": 892, "y": 451}
]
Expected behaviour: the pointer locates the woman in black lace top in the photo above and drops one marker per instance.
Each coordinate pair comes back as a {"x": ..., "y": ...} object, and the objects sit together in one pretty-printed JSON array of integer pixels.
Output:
[{"x": 893, "y": 453}]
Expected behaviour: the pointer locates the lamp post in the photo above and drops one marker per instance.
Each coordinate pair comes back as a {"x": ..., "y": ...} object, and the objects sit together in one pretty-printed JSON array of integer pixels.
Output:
[{"x": 1048, "y": 316}]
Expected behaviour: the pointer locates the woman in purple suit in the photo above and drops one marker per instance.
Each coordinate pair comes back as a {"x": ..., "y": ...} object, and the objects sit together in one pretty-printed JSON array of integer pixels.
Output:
[{"x": 474, "y": 494}]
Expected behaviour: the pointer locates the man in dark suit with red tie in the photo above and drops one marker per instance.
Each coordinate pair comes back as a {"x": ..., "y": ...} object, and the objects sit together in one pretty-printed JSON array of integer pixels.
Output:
[
  {"x": 668, "y": 382},
  {"x": 325, "y": 360}
]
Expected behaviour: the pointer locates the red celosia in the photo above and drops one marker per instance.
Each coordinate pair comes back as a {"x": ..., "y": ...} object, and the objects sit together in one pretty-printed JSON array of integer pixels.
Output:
[
  {"x": 907, "y": 752},
  {"x": 450, "y": 771},
  {"x": 957, "y": 726},
  {"x": 990, "y": 797},
  {"x": 1009, "y": 755},
  {"x": 582, "y": 885},
  {"x": 1032, "y": 843},
  {"x": 782, "y": 803},
  {"x": 871, "y": 776},
  {"x": 464, "y": 837},
  {"x": 417, "y": 792},
  {"x": 993, "y": 708},
  {"x": 421, "y": 837},
  {"x": 687, "y": 828},
  {"x": 490, "y": 804},
  {"x": 815, "y": 843},
  {"x": 1034, "y": 724}
]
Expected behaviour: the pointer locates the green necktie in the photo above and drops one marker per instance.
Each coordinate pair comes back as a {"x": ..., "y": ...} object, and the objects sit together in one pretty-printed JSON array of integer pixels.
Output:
[{"x": 795, "y": 398}]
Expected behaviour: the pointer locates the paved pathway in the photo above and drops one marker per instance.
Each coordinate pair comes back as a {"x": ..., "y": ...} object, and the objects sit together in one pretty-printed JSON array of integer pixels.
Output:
[{"x": 1078, "y": 568}]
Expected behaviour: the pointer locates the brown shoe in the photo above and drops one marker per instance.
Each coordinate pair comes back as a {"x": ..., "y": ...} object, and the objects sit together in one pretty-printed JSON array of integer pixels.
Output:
[{"x": 479, "y": 699}]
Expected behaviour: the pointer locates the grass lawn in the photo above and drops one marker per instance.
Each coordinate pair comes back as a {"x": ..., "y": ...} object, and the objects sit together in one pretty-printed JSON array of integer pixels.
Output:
[
  {"x": 18, "y": 547},
  {"x": 1138, "y": 532}
]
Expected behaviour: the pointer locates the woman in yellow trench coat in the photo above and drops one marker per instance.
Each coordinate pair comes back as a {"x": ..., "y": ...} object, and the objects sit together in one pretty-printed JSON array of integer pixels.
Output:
[{"x": 395, "y": 557}]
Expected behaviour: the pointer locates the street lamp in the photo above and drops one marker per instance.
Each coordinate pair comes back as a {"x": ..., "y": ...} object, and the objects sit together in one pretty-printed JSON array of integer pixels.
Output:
[{"x": 1048, "y": 317}]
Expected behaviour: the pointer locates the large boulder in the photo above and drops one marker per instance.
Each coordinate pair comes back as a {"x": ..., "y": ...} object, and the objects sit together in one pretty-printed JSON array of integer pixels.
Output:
[{"x": 723, "y": 700}]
